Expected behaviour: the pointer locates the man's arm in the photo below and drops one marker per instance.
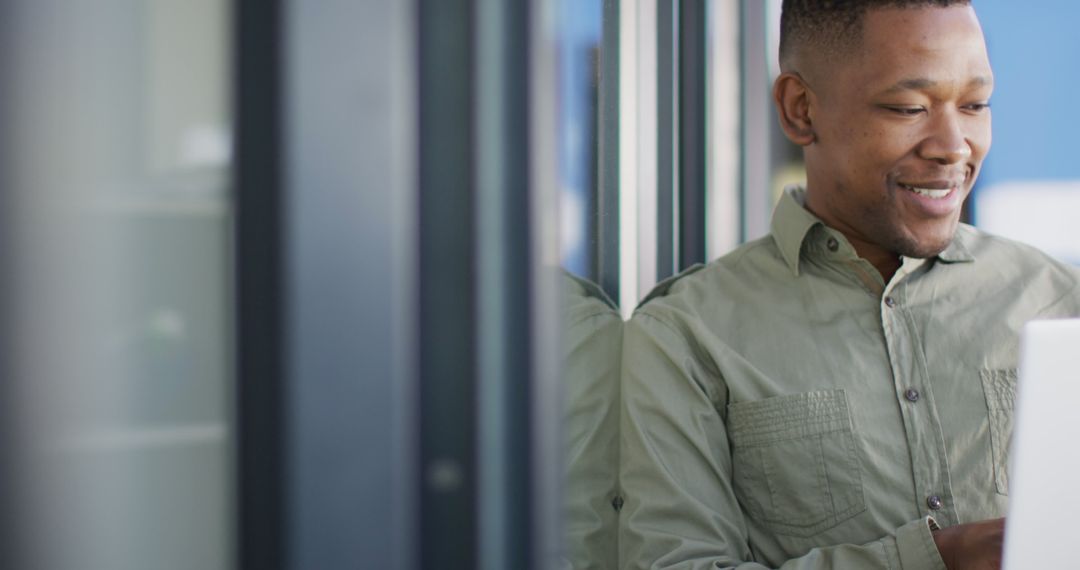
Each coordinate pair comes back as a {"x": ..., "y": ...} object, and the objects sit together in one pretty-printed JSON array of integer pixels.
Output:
[{"x": 681, "y": 510}]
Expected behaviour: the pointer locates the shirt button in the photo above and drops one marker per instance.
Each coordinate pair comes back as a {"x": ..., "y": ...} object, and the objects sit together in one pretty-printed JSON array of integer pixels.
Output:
[
  {"x": 912, "y": 395},
  {"x": 890, "y": 302},
  {"x": 934, "y": 502},
  {"x": 832, "y": 244}
]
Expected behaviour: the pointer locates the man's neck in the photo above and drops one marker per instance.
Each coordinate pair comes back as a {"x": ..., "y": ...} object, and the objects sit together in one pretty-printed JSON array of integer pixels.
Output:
[{"x": 886, "y": 262}]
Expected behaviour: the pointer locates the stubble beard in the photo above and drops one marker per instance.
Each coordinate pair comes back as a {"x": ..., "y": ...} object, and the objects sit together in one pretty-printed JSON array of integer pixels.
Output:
[{"x": 894, "y": 237}]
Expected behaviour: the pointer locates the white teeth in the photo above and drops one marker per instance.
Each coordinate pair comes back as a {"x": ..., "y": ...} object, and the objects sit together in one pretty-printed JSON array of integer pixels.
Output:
[{"x": 934, "y": 194}]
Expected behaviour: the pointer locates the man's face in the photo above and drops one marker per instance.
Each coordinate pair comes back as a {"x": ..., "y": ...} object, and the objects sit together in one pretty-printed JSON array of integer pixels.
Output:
[{"x": 901, "y": 127}]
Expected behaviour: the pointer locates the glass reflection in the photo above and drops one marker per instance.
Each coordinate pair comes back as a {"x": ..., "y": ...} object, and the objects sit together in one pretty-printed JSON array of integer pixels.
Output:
[
  {"x": 592, "y": 326},
  {"x": 580, "y": 33},
  {"x": 592, "y": 345},
  {"x": 121, "y": 156}
]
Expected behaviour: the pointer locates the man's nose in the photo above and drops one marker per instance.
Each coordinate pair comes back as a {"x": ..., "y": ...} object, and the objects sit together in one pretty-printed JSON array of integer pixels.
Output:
[{"x": 946, "y": 142}]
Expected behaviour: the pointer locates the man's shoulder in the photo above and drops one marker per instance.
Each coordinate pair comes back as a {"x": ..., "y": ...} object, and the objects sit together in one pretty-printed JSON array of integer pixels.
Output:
[
  {"x": 705, "y": 284},
  {"x": 1008, "y": 273},
  {"x": 1013, "y": 257},
  {"x": 578, "y": 290}
]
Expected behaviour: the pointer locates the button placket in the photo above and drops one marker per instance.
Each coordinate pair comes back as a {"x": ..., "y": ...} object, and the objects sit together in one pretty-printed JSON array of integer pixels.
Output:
[{"x": 913, "y": 391}]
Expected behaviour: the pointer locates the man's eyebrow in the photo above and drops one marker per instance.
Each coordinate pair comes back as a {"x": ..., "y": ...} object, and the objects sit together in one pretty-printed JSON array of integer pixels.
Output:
[
  {"x": 915, "y": 84},
  {"x": 920, "y": 83}
]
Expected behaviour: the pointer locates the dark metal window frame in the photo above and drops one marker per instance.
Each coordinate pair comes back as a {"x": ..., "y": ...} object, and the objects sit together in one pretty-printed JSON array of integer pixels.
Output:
[
  {"x": 479, "y": 405},
  {"x": 667, "y": 77},
  {"x": 681, "y": 134},
  {"x": 324, "y": 302},
  {"x": 606, "y": 248},
  {"x": 260, "y": 364},
  {"x": 692, "y": 129}
]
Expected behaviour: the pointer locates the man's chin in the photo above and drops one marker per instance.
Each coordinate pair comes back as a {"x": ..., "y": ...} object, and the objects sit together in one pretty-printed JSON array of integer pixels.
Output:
[
  {"x": 924, "y": 248},
  {"x": 923, "y": 241}
]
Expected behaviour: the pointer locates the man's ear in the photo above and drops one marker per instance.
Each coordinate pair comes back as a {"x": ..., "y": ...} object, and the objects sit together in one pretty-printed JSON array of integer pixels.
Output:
[{"x": 792, "y": 98}]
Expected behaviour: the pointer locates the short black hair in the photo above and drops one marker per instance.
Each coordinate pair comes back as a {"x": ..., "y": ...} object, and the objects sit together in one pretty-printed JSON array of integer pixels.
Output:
[{"x": 828, "y": 26}]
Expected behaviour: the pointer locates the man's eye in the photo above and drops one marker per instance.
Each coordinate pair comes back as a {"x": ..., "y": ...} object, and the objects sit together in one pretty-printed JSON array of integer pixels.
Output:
[
  {"x": 906, "y": 111},
  {"x": 977, "y": 107}
]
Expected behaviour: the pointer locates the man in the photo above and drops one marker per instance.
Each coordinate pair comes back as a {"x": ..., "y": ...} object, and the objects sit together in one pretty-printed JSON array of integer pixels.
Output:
[{"x": 839, "y": 393}]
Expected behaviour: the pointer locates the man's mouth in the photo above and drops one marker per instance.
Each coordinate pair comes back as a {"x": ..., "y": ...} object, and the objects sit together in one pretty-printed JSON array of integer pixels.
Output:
[{"x": 934, "y": 191}]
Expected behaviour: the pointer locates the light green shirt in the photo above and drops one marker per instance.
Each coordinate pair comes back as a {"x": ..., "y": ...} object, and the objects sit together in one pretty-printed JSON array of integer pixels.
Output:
[
  {"x": 785, "y": 407},
  {"x": 592, "y": 340}
]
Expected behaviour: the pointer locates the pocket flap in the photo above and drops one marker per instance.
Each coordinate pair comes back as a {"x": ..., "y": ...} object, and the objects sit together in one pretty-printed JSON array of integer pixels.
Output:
[{"x": 782, "y": 418}]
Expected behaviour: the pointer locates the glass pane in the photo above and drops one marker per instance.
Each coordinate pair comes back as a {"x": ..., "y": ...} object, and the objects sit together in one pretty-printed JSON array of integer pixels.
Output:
[
  {"x": 1029, "y": 188},
  {"x": 592, "y": 326},
  {"x": 121, "y": 147},
  {"x": 580, "y": 31}
]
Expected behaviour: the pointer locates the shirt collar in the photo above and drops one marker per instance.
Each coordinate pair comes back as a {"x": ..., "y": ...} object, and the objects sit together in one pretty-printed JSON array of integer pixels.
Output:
[
  {"x": 958, "y": 251},
  {"x": 792, "y": 224}
]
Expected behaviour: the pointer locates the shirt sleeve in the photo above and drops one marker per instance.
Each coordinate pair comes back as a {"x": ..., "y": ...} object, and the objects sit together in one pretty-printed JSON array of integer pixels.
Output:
[
  {"x": 592, "y": 343},
  {"x": 680, "y": 508}
]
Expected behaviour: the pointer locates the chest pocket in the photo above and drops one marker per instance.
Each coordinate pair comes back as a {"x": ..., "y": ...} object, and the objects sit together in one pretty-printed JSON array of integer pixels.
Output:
[
  {"x": 796, "y": 468},
  {"x": 1000, "y": 389}
]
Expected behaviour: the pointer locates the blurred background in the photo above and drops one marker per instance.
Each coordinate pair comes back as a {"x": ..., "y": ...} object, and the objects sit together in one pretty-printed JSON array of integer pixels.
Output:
[{"x": 281, "y": 278}]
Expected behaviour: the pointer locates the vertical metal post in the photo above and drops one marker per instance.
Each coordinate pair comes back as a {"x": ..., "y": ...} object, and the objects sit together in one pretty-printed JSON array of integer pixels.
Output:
[
  {"x": 10, "y": 507},
  {"x": 260, "y": 346},
  {"x": 505, "y": 271},
  {"x": 646, "y": 138},
  {"x": 666, "y": 142},
  {"x": 607, "y": 220},
  {"x": 543, "y": 301},
  {"x": 447, "y": 351},
  {"x": 722, "y": 200},
  {"x": 692, "y": 132},
  {"x": 486, "y": 192},
  {"x": 756, "y": 114},
  {"x": 324, "y": 251},
  {"x": 350, "y": 158}
]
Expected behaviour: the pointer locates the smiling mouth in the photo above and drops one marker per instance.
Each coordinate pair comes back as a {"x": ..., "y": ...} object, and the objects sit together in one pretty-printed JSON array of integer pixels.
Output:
[{"x": 932, "y": 193}]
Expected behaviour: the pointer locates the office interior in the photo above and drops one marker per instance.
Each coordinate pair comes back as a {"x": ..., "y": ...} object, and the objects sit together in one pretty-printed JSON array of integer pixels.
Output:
[{"x": 286, "y": 282}]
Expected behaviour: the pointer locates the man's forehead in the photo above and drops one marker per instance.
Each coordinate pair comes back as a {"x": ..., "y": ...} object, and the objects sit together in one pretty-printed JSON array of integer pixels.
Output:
[
  {"x": 925, "y": 29},
  {"x": 926, "y": 83},
  {"x": 910, "y": 48}
]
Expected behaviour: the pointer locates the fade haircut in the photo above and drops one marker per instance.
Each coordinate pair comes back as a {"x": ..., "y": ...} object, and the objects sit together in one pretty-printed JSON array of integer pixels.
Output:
[{"x": 828, "y": 27}]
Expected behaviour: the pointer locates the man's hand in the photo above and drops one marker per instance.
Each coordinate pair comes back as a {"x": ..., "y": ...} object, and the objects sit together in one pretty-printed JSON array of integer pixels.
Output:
[{"x": 972, "y": 546}]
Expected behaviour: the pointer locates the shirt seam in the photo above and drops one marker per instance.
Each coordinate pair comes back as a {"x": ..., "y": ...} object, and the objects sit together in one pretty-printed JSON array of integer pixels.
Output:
[
  {"x": 710, "y": 391},
  {"x": 592, "y": 315}
]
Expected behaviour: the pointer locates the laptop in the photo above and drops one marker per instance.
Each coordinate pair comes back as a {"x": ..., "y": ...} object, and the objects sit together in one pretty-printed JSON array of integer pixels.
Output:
[{"x": 1043, "y": 525}]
